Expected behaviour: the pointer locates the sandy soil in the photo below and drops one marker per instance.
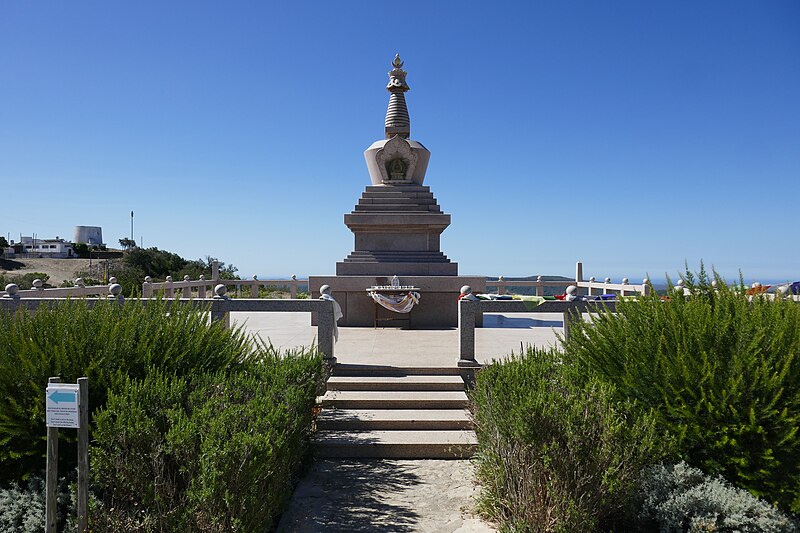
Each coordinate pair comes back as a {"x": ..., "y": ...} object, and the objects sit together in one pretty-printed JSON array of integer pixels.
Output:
[{"x": 58, "y": 269}]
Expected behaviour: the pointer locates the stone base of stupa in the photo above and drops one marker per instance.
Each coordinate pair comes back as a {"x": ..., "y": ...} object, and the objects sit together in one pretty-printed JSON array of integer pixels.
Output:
[{"x": 437, "y": 307}]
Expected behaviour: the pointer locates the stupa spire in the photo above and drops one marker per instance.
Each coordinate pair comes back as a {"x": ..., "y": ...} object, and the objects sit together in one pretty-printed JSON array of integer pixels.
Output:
[{"x": 397, "y": 121}]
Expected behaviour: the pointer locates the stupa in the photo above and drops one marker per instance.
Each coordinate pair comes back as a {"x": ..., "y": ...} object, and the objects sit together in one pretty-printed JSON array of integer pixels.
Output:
[{"x": 397, "y": 224}]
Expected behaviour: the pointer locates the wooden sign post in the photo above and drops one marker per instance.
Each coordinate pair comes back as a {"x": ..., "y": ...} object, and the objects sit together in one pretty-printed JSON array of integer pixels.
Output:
[{"x": 67, "y": 406}]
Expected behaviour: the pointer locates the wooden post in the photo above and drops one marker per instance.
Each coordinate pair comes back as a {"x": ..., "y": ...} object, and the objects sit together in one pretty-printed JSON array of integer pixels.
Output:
[
  {"x": 51, "y": 481},
  {"x": 83, "y": 455}
]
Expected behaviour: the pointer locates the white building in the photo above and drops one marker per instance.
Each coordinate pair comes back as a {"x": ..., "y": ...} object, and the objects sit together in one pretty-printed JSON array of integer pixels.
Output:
[{"x": 54, "y": 248}]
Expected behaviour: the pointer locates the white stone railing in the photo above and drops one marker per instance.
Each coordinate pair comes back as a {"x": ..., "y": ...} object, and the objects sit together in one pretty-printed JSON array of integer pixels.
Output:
[
  {"x": 202, "y": 288},
  {"x": 38, "y": 291},
  {"x": 585, "y": 287},
  {"x": 219, "y": 307},
  {"x": 469, "y": 309}
]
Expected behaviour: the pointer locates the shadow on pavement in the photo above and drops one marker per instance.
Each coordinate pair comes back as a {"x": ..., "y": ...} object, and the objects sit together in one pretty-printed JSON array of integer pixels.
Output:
[{"x": 352, "y": 495}]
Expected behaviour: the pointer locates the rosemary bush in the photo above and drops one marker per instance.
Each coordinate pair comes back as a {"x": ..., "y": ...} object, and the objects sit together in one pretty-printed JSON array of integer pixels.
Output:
[
  {"x": 109, "y": 344},
  {"x": 218, "y": 452},
  {"x": 556, "y": 451},
  {"x": 721, "y": 372}
]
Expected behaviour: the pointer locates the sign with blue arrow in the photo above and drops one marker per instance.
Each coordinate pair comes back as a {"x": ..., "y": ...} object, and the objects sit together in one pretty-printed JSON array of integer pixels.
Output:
[{"x": 62, "y": 406}]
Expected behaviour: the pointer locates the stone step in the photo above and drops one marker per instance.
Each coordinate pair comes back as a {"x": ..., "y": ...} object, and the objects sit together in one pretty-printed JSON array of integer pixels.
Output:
[
  {"x": 394, "y": 419},
  {"x": 397, "y": 208},
  {"x": 433, "y": 444},
  {"x": 396, "y": 383},
  {"x": 394, "y": 399},
  {"x": 397, "y": 200},
  {"x": 352, "y": 369}
]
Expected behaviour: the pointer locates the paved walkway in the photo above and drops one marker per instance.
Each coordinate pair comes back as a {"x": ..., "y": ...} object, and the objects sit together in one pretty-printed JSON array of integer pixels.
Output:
[
  {"x": 392, "y": 495},
  {"x": 386, "y": 495}
]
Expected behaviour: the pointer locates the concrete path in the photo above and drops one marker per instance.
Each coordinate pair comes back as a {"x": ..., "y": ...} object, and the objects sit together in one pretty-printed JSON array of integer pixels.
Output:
[
  {"x": 500, "y": 335},
  {"x": 386, "y": 495},
  {"x": 390, "y": 495}
]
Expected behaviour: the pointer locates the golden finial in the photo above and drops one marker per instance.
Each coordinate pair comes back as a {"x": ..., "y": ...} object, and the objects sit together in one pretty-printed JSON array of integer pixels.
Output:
[{"x": 397, "y": 63}]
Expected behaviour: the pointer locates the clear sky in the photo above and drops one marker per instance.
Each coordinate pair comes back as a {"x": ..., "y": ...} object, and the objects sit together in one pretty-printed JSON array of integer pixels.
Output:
[{"x": 634, "y": 136}]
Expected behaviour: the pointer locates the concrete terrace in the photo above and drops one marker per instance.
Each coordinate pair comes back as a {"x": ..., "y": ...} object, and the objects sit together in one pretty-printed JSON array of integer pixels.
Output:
[{"x": 500, "y": 335}]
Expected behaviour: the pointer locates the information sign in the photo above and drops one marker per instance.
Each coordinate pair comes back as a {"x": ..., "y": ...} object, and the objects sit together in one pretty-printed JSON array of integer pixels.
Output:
[{"x": 62, "y": 406}]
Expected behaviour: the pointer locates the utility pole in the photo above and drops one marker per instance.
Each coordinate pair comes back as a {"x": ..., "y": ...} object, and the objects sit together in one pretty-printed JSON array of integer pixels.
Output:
[{"x": 131, "y": 225}]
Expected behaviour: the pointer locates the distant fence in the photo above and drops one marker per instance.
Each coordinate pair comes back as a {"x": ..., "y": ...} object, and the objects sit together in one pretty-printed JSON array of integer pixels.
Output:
[{"x": 585, "y": 287}]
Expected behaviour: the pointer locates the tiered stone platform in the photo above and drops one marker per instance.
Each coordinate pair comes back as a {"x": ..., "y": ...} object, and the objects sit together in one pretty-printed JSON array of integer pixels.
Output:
[{"x": 397, "y": 230}]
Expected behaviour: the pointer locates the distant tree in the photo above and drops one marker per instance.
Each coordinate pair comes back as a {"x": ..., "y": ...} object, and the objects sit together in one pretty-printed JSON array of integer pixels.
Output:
[
  {"x": 3, "y": 244},
  {"x": 127, "y": 243},
  {"x": 81, "y": 249}
]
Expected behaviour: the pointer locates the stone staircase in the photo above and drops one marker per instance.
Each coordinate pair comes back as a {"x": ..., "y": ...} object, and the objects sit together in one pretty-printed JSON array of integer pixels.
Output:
[{"x": 390, "y": 412}]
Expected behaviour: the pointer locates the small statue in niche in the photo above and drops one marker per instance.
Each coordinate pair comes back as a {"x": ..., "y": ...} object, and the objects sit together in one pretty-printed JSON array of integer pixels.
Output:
[{"x": 397, "y": 169}]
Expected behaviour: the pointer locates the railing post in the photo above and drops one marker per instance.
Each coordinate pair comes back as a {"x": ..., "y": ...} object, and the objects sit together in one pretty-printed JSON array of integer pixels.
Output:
[
  {"x": 254, "y": 287},
  {"x": 218, "y": 307},
  {"x": 201, "y": 289},
  {"x": 215, "y": 271},
  {"x": 326, "y": 325},
  {"x": 591, "y": 289},
  {"x": 12, "y": 290},
  {"x": 115, "y": 293},
  {"x": 467, "y": 310},
  {"x": 579, "y": 275},
  {"x": 622, "y": 291},
  {"x": 147, "y": 287},
  {"x": 571, "y": 315},
  {"x": 539, "y": 287},
  {"x": 646, "y": 287},
  {"x": 170, "y": 290},
  {"x": 607, "y": 281},
  {"x": 501, "y": 285},
  {"x": 293, "y": 287}
]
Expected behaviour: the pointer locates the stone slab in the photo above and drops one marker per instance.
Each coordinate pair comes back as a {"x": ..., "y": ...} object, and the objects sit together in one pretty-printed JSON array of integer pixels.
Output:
[
  {"x": 397, "y": 419},
  {"x": 434, "y": 444},
  {"x": 384, "y": 383},
  {"x": 394, "y": 399}
]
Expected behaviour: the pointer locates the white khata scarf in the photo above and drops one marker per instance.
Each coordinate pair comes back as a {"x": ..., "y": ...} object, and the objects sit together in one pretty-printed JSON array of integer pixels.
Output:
[{"x": 398, "y": 304}]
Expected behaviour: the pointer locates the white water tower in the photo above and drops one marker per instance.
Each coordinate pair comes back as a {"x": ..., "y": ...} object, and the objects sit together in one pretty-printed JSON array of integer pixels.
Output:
[{"x": 91, "y": 235}]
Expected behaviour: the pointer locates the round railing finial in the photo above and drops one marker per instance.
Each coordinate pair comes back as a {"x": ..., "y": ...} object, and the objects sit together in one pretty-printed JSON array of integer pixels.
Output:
[
  {"x": 37, "y": 283},
  {"x": 220, "y": 290},
  {"x": 114, "y": 290},
  {"x": 12, "y": 289},
  {"x": 79, "y": 282}
]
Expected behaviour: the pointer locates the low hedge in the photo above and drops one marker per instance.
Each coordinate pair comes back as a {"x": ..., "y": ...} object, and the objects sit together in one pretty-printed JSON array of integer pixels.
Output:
[
  {"x": 109, "y": 344},
  {"x": 556, "y": 451},
  {"x": 720, "y": 371},
  {"x": 218, "y": 452}
]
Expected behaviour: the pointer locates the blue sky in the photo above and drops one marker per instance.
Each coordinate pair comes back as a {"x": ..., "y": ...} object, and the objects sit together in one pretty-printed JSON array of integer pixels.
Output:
[{"x": 634, "y": 136}]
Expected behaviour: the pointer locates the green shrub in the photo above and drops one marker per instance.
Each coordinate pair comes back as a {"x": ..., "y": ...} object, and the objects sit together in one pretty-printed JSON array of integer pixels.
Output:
[
  {"x": 677, "y": 498},
  {"x": 556, "y": 452},
  {"x": 108, "y": 343},
  {"x": 217, "y": 452},
  {"x": 22, "y": 506},
  {"x": 721, "y": 372}
]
